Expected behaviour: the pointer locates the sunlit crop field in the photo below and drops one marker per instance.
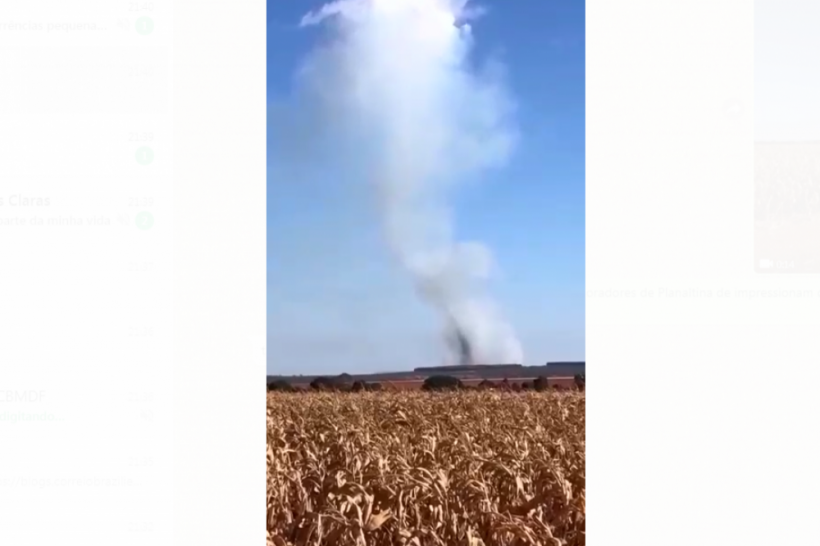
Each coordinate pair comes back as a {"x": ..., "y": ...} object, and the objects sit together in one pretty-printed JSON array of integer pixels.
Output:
[{"x": 470, "y": 468}]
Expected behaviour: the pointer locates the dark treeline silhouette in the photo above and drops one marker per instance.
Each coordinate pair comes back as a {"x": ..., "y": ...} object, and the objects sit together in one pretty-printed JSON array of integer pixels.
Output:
[
  {"x": 340, "y": 383},
  {"x": 580, "y": 381},
  {"x": 442, "y": 383},
  {"x": 468, "y": 374},
  {"x": 280, "y": 385},
  {"x": 344, "y": 383}
]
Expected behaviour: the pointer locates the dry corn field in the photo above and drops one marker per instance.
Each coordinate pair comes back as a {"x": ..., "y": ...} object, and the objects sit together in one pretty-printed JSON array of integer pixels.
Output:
[{"x": 412, "y": 468}]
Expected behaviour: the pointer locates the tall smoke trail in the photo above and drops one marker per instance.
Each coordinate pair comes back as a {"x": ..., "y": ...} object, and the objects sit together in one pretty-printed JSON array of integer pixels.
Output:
[{"x": 395, "y": 79}]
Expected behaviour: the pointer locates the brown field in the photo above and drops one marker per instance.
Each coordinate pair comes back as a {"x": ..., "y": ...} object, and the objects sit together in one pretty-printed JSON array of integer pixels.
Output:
[{"x": 407, "y": 468}]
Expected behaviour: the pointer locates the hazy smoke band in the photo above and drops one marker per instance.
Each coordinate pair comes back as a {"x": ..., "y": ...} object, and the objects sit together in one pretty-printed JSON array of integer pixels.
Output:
[{"x": 395, "y": 79}]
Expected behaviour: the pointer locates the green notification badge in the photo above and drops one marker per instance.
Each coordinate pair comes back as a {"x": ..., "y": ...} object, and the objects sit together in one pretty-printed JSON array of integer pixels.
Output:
[
  {"x": 144, "y": 220},
  {"x": 145, "y": 26},
  {"x": 145, "y": 155}
]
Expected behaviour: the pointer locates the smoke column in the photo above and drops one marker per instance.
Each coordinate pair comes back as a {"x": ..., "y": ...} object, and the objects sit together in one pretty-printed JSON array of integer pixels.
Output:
[{"x": 394, "y": 76}]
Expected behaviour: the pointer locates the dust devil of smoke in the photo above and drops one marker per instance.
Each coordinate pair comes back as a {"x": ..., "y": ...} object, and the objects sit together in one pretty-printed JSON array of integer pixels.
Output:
[
  {"x": 395, "y": 78},
  {"x": 465, "y": 353}
]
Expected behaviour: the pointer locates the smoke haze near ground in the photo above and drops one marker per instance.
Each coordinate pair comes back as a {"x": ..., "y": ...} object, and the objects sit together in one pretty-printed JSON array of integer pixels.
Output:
[{"x": 399, "y": 106}]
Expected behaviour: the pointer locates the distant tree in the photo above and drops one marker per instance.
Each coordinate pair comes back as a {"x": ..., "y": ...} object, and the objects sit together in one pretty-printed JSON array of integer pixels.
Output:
[
  {"x": 540, "y": 383},
  {"x": 580, "y": 381},
  {"x": 343, "y": 382},
  {"x": 373, "y": 386},
  {"x": 323, "y": 384},
  {"x": 441, "y": 383},
  {"x": 516, "y": 387},
  {"x": 280, "y": 385},
  {"x": 486, "y": 384},
  {"x": 526, "y": 386},
  {"x": 358, "y": 386},
  {"x": 505, "y": 384}
]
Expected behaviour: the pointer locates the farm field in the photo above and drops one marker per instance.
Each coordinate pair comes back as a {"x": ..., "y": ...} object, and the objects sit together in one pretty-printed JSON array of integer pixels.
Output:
[{"x": 465, "y": 468}]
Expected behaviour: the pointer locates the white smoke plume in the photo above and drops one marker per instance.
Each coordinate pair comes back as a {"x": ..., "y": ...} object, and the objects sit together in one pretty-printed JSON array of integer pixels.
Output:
[{"x": 395, "y": 78}]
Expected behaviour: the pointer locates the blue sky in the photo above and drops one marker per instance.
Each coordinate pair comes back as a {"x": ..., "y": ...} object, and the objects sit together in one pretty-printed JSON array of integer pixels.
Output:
[{"x": 335, "y": 301}]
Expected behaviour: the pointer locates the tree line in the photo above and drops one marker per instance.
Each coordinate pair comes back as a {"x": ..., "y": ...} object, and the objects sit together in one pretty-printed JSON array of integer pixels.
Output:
[{"x": 344, "y": 383}]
